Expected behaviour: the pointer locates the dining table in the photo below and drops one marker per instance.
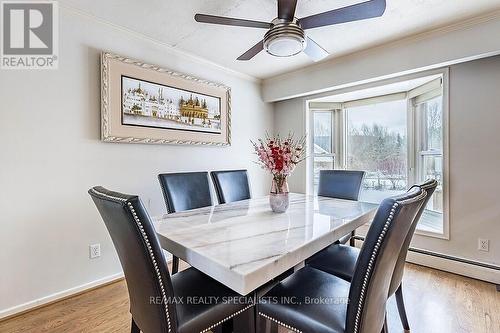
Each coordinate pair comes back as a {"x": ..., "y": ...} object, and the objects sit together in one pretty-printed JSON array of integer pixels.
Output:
[{"x": 244, "y": 244}]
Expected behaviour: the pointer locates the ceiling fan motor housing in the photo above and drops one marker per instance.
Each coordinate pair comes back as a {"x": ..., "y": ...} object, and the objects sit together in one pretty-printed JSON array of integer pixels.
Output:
[{"x": 285, "y": 38}]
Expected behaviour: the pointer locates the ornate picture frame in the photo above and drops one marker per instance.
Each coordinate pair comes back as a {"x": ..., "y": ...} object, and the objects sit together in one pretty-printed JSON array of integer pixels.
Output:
[{"x": 144, "y": 103}]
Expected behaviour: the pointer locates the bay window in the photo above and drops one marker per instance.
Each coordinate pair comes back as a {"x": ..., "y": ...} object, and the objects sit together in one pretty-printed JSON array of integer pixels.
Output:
[
  {"x": 397, "y": 139},
  {"x": 377, "y": 143}
]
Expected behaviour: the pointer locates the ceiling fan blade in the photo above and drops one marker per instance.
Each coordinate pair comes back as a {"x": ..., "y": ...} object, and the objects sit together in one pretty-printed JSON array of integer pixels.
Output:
[
  {"x": 286, "y": 9},
  {"x": 314, "y": 51},
  {"x": 203, "y": 18},
  {"x": 252, "y": 52},
  {"x": 359, "y": 11}
]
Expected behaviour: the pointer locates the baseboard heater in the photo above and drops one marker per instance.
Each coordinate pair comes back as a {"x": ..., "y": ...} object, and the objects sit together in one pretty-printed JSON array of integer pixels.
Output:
[{"x": 445, "y": 256}]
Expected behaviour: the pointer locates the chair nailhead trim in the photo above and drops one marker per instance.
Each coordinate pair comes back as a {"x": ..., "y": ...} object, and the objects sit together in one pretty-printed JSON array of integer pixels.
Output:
[
  {"x": 107, "y": 196},
  {"x": 226, "y": 319},
  {"x": 148, "y": 244},
  {"x": 375, "y": 253},
  {"x": 280, "y": 323},
  {"x": 151, "y": 254},
  {"x": 370, "y": 266}
]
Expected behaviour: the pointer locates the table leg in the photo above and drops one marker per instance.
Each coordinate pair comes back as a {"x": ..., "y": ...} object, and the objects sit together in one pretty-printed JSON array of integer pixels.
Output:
[
  {"x": 227, "y": 327},
  {"x": 245, "y": 322},
  {"x": 299, "y": 266},
  {"x": 266, "y": 326}
]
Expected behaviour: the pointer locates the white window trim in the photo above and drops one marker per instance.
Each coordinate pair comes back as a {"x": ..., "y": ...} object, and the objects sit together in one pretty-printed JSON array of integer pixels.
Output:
[
  {"x": 426, "y": 91},
  {"x": 446, "y": 161},
  {"x": 333, "y": 109},
  {"x": 375, "y": 100}
]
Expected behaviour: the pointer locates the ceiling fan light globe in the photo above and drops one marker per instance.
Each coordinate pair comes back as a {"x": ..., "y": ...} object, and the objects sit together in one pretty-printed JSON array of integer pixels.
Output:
[{"x": 285, "y": 46}]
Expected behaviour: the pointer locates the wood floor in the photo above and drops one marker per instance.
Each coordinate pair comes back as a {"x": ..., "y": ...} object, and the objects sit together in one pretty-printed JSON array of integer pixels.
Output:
[{"x": 436, "y": 302}]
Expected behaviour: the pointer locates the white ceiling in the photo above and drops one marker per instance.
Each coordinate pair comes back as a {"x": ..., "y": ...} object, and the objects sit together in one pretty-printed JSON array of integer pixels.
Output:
[{"x": 172, "y": 22}]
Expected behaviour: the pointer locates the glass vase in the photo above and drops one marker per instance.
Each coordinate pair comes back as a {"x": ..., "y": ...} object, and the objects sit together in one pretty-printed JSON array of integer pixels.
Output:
[{"x": 278, "y": 198}]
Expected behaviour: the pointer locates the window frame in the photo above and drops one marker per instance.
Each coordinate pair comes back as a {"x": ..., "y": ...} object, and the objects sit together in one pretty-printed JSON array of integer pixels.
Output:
[
  {"x": 334, "y": 154},
  {"x": 371, "y": 101},
  {"x": 419, "y": 152},
  {"x": 414, "y": 126},
  {"x": 421, "y": 138}
]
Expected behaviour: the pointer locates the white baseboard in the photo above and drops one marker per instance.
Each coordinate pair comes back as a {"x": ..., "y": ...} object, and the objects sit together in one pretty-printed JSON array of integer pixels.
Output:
[
  {"x": 456, "y": 267},
  {"x": 447, "y": 265},
  {"x": 31, "y": 305}
]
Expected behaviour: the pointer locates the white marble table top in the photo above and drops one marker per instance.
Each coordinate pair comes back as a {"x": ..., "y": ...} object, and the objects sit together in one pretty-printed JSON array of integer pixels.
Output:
[{"x": 244, "y": 244}]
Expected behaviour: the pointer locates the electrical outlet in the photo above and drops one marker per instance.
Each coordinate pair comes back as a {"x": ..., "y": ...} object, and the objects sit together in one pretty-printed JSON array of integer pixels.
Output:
[
  {"x": 483, "y": 245},
  {"x": 94, "y": 251}
]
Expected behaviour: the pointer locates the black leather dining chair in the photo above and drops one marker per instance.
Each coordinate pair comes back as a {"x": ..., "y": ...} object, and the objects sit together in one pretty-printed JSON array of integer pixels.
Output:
[
  {"x": 340, "y": 260},
  {"x": 341, "y": 184},
  {"x": 185, "y": 191},
  {"x": 231, "y": 185},
  {"x": 159, "y": 302},
  {"x": 311, "y": 300}
]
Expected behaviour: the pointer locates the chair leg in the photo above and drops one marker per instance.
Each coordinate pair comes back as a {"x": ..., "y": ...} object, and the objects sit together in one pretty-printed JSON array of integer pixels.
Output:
[
  {"x": 385, "y": 329},
  {"x": 401, "y": 308},
  {"x": 134, "y": 328},
  {"x": 175, "y": 264},
  {"x": 352, "y": 241},
  {"x": 245, "y": 322}
]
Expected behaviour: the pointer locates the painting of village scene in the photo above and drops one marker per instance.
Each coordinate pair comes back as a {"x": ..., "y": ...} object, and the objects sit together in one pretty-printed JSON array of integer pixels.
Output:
[{"x": 149, "y": 104}]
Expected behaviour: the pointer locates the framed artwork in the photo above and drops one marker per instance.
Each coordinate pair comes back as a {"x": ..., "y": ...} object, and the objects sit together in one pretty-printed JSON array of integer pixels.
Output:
[{"x": 143, "y": 103}]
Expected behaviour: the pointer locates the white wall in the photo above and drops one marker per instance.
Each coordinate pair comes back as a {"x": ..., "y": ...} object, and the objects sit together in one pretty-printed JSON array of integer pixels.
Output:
[
  {"x": 51, "y": 155},
  {"x": 289, "y": 117},
  {"x": 474, "y": 159}
]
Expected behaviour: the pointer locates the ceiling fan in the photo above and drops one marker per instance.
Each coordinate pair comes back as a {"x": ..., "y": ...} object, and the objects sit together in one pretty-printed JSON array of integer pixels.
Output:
[{"x": 286, "y": 37}]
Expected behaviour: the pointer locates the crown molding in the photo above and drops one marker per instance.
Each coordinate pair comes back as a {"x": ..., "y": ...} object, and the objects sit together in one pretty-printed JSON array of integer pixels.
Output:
[
  {"x": 460, "y": 25},
  {"x": 443, "y": 30},
  {"x": 173, "y": 49}
]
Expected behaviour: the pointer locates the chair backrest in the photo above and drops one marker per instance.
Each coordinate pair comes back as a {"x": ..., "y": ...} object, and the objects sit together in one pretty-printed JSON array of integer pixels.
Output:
[
  {"x": 429, "y": 186},
  {"x": 185, "y": 191},
  {"x": 341, "y": 184},
  {"x": 141, "y": 257},
  {"x": 377, "y": 259},
  {"x": 231, "y": 185}
]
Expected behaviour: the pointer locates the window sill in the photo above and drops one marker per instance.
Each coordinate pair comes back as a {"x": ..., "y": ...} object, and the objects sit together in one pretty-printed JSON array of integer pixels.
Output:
[{"x": 431, "y": 224}]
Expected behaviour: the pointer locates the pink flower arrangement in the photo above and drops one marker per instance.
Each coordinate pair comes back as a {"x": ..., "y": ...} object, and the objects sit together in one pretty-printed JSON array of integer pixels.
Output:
[{"x": 280, "y": 156}]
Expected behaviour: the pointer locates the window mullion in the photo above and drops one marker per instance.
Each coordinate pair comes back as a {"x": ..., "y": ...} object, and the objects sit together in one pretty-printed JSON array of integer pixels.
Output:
[
  {"x": 342, "y": 137},
  {"x": 411, "y": 144}
]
